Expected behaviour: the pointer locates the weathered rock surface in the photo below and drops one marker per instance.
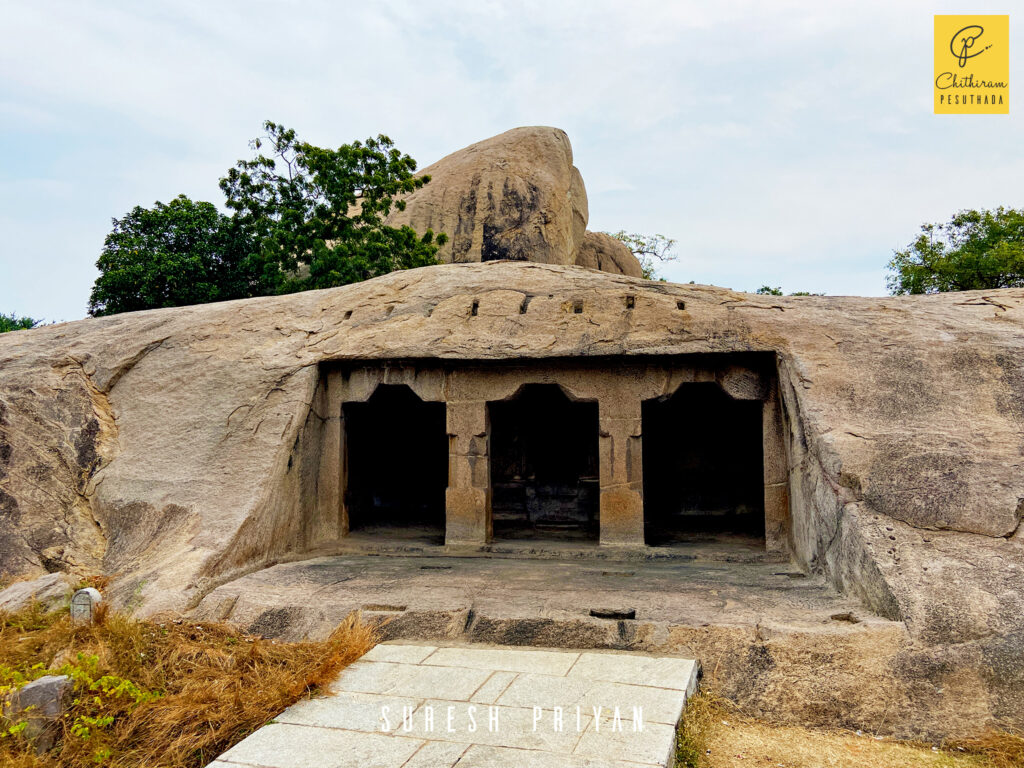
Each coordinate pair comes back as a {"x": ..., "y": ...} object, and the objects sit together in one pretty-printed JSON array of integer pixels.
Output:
[
  {"x": 50, "y": 590},
  {"x": 39, "y": 705},
  {"x": 159, "y": 446},
  {"x": 514, "y": 196},
  {"x": 600, "y": 250}
]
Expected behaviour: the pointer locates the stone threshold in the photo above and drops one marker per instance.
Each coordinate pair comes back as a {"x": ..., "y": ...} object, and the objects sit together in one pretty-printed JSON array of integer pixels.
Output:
[{"x": 709, "y": 550}]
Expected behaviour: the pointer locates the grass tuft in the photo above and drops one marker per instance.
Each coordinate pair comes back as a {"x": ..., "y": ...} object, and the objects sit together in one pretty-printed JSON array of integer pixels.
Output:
[
  {"x": 695, "y": 731},
  {"x": 714, "y": 735},
  {"x": 162, "y": 694},
  {"x": 1003, "y": 749}
]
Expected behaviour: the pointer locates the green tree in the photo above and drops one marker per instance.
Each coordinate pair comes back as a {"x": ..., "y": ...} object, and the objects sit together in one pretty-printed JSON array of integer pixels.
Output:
[
  {"x": 316, "y": 215},
  {"x": 12, "y": 322},
  {"x": 973, "y": 250},
  {"x": 650, "y": 250},
  {"x": 170, "y": 255},
  {"x": 301, "y": 217}
]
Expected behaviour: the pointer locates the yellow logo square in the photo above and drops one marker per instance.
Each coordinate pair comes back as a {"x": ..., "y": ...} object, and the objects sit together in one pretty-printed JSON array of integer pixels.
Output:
[{"x": 972, "y": 65}]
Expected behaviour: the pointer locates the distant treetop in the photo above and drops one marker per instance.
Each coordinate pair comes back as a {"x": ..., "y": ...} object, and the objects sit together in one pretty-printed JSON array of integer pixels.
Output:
[
  {"x": 12, "y": 322},
  {"x": 650, "y": 250},
  {"x": 767, "y": 290},
  {"x": 974, "y": 250}
]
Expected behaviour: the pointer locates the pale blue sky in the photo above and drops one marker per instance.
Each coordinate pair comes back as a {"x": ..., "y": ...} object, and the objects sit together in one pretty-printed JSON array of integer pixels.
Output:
[{"x": 790, "y": 142}]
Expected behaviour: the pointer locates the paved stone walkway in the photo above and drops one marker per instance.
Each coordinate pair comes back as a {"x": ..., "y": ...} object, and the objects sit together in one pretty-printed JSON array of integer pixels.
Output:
[{"x": 482, "y": 707}]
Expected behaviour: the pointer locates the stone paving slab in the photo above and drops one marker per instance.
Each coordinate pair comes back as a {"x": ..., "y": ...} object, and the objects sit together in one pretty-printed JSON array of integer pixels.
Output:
[{"x": 481, "y": 707}]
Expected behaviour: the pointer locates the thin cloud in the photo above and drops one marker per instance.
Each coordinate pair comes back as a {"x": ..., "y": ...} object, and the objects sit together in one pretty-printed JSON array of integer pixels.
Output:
[{"x": 789, "y": 143}]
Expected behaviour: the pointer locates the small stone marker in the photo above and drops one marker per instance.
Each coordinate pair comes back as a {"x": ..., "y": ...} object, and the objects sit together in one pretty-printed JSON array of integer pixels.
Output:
[
  {"x": 41, "y": 704},
  {"x": 83, "y": 605}
]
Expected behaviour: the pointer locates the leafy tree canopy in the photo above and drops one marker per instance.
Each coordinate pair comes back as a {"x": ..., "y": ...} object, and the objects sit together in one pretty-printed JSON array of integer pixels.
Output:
[
  {"x": 973, "y": 250},
  {"x": 301, "y": 217},
  {"x": 12, "y": 322},
  {"x": 184, "y": 252},
  {"x": 317, "y": 215},
  {"x": 650, "y": 250}
]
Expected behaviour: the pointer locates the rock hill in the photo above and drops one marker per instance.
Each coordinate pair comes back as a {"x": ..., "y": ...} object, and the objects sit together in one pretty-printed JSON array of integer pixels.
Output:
[
  {"x": 177, "y": 450},
  {"x": 163, "y": 447}
]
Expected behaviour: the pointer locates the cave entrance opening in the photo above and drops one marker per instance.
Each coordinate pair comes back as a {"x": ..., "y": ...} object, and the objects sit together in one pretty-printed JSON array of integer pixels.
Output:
[
  {"x": 397, "y": 465},
  {"x": 544, "y": 466},
  {"x": 703, "y": 466}
]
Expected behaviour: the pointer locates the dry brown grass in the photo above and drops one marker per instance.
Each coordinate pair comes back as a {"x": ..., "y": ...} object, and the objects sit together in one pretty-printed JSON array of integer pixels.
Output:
[
  {"x": 215, "y": 685},
  {"x": 714, "y": 735},
  {"x": 1003, "y": 750}
]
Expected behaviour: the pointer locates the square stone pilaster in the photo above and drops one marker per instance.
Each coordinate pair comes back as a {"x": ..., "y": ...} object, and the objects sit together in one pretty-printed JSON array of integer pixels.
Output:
[
  {"x": 621, "y": 466},
  {"x": 329, "y": 520},
  {"x": 468, "y": 497},
  {"x": 776, "y": 476}
]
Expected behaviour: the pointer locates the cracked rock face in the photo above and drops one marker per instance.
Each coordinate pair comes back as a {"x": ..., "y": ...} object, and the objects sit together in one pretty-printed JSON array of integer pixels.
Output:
[
  {"x": 56, "y": 432},
  {"x": 158, "y": 446}
]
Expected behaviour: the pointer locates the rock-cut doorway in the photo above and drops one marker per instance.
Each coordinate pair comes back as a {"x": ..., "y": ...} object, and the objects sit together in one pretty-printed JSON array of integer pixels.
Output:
[
  {"x": 397, "y": 465},
  {"x": 703, "y": 467}
]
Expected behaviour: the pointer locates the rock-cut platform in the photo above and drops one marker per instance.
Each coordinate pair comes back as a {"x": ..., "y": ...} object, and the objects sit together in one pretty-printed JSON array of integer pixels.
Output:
[{"x": 429, "y": 706}]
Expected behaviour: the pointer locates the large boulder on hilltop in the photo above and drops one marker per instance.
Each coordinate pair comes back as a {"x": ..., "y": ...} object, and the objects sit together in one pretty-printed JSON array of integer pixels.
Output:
[
  {"x": 602, "y": 251},
  {"x": 514, "y": 196}
]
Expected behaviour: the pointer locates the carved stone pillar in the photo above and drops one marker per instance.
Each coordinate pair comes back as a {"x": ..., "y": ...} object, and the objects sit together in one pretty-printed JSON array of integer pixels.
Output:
[
  {"x": 776, "y": 477},
  {"x": 468, "y": 497},
  {"x": 621, "y": 467}
]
